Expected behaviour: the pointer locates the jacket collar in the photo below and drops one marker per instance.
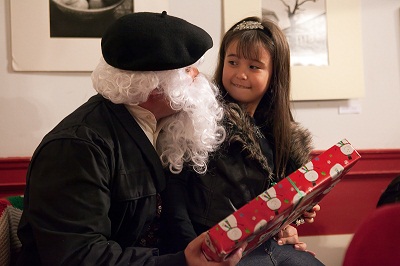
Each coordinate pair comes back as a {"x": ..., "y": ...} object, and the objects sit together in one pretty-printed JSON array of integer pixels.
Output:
[{"x": 140, "y": 138}]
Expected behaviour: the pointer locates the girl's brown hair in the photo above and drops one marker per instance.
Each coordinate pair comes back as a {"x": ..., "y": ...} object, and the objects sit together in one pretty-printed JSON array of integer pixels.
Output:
[{"x": 273, "y": 113}]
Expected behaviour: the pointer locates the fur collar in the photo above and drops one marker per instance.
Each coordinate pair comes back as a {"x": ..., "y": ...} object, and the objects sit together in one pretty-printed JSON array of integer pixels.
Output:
[{"x": 240, "y": 128}]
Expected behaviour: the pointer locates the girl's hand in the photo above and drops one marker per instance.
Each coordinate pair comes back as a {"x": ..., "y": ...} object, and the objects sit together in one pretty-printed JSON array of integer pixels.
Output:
[
  {"x": 309, "y": 215},
  {"x": 289, "y": 236}
]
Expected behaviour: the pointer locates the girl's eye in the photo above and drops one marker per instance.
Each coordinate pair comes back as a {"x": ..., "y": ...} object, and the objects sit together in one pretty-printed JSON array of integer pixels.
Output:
[
  {"x": 254, "y": 67},
  {"x": 232, "y": 62}
]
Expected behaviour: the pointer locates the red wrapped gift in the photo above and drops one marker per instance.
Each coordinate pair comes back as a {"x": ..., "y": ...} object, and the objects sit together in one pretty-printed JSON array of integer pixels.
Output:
[{"x": 280, "y": 205}]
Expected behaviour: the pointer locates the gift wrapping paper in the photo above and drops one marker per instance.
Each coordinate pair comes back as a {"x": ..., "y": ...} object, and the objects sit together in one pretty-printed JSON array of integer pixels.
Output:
[{"x": 280, "y": 205}]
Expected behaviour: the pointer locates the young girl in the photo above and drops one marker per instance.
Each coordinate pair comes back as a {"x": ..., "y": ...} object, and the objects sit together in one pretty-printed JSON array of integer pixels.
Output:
[{"x": 263, "y": 145}]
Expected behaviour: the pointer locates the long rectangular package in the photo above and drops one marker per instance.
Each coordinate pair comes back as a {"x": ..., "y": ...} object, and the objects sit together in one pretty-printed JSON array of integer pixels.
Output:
[{"x": 280, "y": 205}]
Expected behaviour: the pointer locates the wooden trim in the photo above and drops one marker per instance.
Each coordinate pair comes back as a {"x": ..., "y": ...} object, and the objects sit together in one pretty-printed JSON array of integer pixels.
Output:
[
  {"x": 12, "y": 175},
  {"x": 14, "y": 163},
  {"x": 374, "y": 162},
  {"x": 342, "y": 210}
]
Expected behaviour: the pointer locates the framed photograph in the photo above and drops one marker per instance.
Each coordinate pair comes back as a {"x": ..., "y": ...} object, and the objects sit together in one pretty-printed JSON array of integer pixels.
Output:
[
  {"x": 64, "y": 35},
  {"x": 325, "y": 42}
]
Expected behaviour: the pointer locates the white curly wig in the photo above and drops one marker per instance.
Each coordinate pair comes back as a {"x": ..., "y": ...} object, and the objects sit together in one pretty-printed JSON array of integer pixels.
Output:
[{"x": 188, "y": 136}]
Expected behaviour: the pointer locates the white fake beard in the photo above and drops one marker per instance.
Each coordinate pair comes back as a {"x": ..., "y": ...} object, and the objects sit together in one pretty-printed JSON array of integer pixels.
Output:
[{"x": 190, "y": 135}]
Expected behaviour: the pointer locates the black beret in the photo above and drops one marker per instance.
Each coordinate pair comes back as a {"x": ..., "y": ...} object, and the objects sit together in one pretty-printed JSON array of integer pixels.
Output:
[{"x": 145, "y": 41}]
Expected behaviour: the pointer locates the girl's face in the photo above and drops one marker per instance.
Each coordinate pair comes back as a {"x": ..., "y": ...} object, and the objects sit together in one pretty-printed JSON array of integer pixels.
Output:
[{"x": 246, "y": 80}]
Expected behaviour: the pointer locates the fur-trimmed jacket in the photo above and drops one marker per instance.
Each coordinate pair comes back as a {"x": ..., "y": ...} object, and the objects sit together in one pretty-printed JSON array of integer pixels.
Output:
[{"x": 239, "y": 171}]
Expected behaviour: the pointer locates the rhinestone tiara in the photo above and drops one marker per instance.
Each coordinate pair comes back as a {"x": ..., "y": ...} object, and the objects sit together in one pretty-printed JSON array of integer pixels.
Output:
[{"x": 249, "y": 25}]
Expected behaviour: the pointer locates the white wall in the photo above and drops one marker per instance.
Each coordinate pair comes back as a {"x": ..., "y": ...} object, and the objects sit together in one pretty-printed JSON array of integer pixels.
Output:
[
  {"x": 378, "y": 124},
  {"x": 33, "y": 103}
]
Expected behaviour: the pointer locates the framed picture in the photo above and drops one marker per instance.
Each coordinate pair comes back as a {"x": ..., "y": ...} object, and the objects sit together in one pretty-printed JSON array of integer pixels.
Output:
[
  {"x": 55, "y": 36},
  {"x": 330, "y": 67}
]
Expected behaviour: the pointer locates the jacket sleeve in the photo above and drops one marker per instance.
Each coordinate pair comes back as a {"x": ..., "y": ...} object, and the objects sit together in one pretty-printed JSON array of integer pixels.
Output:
[
  {"x": 66, "y": 210},
  {"x": 176, "y": 226}
]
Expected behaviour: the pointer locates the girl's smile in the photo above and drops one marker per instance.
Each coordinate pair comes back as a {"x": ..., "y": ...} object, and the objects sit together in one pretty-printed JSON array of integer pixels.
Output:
[{"x": 247, "y": 79}]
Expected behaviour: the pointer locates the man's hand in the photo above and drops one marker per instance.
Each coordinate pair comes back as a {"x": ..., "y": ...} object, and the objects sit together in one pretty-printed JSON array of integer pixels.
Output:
[{"x": 195, "y": 256}]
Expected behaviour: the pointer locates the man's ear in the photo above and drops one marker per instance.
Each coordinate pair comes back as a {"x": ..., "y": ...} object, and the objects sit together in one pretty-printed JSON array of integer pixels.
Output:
[
  {"x": 156, "y": 91},
  {"x": 154, "y": 98},
  {"x": 155, "y": 94}
]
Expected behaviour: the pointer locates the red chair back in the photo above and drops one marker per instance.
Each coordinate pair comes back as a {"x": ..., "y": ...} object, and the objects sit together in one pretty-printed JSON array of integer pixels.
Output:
[{"x": 377, "y": 240}]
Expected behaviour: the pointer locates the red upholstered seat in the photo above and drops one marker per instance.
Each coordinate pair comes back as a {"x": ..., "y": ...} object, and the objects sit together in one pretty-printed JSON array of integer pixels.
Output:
[{"x": 377, "y": 240}]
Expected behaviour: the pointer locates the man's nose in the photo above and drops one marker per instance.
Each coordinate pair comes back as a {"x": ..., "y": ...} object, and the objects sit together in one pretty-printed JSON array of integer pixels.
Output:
[{"x": 193, "y": 71}]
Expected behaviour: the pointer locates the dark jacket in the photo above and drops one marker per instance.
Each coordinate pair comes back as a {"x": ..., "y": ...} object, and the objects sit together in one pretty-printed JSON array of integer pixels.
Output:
[
  {"x": 238, "y": 172},
  {"x": 91, "y": 192}
]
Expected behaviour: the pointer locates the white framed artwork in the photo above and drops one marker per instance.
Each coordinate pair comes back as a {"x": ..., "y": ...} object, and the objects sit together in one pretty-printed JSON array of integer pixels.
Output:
[
  {"x": 42, "y": 41},
  {"x": 342, "y": 76}
]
